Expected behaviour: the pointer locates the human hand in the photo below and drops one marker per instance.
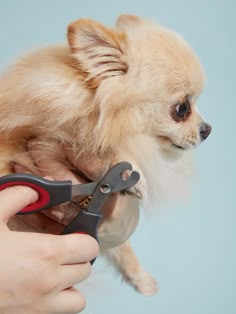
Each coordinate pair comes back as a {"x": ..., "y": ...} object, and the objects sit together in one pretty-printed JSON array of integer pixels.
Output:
[
  {"x": 38, "y": 271},
  {"x": 50, "y": 162}
]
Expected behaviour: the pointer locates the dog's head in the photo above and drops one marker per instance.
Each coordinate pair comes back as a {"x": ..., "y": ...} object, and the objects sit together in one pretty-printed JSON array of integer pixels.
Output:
[{"x": 145, "y": 79}]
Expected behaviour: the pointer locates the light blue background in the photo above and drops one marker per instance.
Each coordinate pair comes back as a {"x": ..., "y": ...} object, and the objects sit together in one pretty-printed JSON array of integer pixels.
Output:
[{"x": 191, "y": 248}]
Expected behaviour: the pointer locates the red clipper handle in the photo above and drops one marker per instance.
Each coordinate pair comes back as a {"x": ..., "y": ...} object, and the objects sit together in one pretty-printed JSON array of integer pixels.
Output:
[
  {"x": 51, "y": 193},
  {"x": 43, "y": 196}
]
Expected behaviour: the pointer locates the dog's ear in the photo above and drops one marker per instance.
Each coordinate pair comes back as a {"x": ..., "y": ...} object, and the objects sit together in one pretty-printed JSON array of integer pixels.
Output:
[
  {"x": 99, "y": 52},
  {"x": 127, "y": 21}
]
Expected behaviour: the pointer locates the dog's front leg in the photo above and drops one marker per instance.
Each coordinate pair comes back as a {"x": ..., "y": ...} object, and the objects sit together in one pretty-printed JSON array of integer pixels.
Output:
[{"x": 127, "y": 264}]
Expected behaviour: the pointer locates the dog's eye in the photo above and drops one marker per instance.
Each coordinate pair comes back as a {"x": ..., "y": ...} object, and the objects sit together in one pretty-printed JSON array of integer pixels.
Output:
[{"x": 181, "y": 111}]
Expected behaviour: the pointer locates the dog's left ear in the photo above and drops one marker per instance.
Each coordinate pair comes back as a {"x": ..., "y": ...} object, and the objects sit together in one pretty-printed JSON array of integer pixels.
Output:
[{"x": 99, "y": 51}]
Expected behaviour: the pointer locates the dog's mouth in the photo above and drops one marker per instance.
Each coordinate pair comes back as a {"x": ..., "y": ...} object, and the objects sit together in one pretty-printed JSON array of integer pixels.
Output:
[
  {"x": 168, "y": 143},
  {"x": 178, "y": 147}
]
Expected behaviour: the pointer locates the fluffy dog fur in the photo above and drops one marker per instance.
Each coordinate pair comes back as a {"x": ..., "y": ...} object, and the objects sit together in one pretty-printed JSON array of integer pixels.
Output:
[{"x": 110, "y": 95}]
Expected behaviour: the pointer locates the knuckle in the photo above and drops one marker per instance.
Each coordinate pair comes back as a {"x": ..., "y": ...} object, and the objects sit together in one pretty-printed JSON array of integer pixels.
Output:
[
  {"x": 87, "y": 270},
  {"x": 83, "y": 271},
  {"x": 47, "y": 285},
  {"x": 47, "y": 252}
]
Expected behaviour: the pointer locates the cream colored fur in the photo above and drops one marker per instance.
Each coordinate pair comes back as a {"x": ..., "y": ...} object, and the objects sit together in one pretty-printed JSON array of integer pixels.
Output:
[{"x": 107, "y": 97}]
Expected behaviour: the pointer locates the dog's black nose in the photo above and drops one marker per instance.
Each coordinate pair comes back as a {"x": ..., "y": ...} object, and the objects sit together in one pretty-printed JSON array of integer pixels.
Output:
[{"x": 205, "y": 130}]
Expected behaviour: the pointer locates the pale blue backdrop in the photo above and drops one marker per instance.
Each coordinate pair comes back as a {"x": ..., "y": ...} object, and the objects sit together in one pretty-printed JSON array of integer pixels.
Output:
[{"x": 190, "y": 250}]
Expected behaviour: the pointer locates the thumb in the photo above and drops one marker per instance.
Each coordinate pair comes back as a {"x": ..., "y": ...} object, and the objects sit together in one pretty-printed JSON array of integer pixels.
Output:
[{"x": 13, "y": 199}]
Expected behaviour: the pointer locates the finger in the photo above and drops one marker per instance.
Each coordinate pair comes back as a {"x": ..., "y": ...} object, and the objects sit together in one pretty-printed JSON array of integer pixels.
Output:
[
  {"x": 50, "y": 220},
  {"x": 70, "y": 275},
  {"x": 76, "y": 248},
  {"x": 14, "y": 199},
  {"x": 69, "y": 301}
]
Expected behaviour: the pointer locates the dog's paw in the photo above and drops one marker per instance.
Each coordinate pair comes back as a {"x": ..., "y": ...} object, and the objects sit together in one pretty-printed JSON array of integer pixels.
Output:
[
  {"x": 140, "y": 190},
  {"x": 143, "y": 282}
]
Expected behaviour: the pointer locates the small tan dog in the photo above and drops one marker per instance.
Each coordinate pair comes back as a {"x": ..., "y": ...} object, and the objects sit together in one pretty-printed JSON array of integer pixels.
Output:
[{"x": 122, "y": 94}]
